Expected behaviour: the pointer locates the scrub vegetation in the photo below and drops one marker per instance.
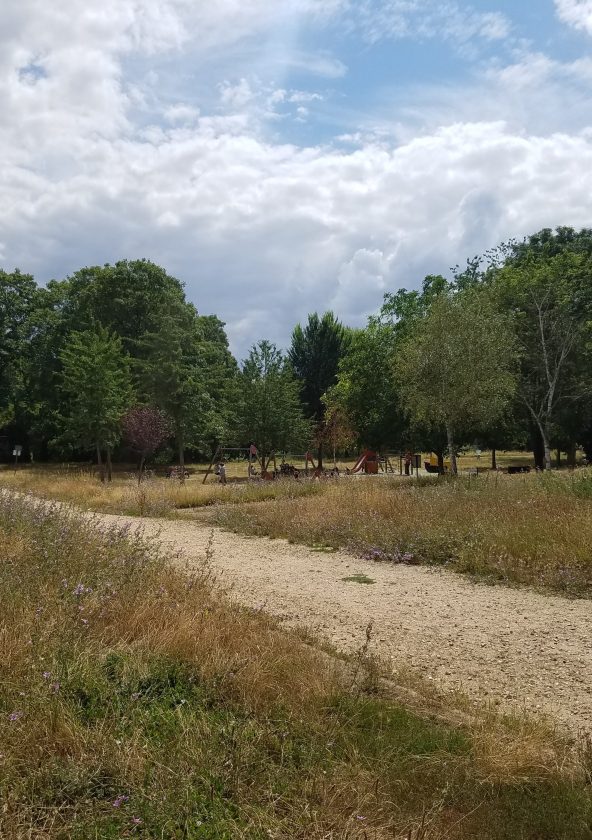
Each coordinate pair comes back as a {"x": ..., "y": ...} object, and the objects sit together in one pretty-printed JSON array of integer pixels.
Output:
[{"x": 135, "y": 701}]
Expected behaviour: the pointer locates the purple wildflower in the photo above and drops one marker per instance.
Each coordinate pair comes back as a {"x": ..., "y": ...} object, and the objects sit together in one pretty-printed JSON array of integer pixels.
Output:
[
  {"x": 46, "y": 675},
  {"x": 14, "y": 716},
  {"x": 120, "y": 800}
]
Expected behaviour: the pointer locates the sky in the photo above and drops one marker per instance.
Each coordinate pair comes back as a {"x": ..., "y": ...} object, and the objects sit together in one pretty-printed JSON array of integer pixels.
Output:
[{"x": 281, "y": 157}]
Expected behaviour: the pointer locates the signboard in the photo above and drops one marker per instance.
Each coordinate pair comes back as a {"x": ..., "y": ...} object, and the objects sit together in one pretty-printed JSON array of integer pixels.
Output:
[{"x": 17, "y": 451}]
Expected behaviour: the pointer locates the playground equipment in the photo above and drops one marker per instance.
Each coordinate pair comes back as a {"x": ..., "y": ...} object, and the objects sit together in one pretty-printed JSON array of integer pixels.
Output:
[
  {"x": 368, "y": 462},
  {"x": 251, "y": 455},
  {"x": 432, "y": 465}
]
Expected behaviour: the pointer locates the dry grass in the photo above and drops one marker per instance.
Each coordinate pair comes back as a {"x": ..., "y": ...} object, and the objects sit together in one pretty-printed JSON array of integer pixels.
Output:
[
  {"x": 153, "y": 497},
  {"x": 520, "y": 529},
  {"x": 135, "y": 701}
]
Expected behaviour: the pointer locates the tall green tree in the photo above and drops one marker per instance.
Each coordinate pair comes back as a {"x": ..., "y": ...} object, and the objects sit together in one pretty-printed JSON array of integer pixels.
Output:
[
  {"x": 366, "y": 391},
  {"x": 97, "y": 391},
  {"x": 457, "y": 369},
  {"x": 315, "y": 353},
  {"x": 271, "y": 413},
  {"x": 18, "y": 296},
  {"x": 127, "y": 298},
  {"x": 546, "y": 286},
  {"x": 170, "y": 372},
  {"x": 221, "y": 382}
]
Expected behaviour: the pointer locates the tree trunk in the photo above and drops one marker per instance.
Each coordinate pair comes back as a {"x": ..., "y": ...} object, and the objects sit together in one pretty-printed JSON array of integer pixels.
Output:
[
  {"x": 109, "y": 465},
  {"x": 547, "y": 448},
  {"x": 141, "y": 468},
  {"x": 571, "y": 455},
  {"x": 493, "y": 458},
  {"x": 451, "y": 450},
  {"x": 440, "y": 462},
  {"x": 181, "y": 459},
  {"x": 320, "y": 455},
  {"x": 100, "y": 464},
  {"x": 559, "y": 459},
  {"x": 538, "y": 448}
]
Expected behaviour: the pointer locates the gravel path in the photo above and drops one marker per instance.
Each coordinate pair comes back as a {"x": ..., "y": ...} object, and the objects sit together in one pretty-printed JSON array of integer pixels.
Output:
[{"x": 513, "y": 647}]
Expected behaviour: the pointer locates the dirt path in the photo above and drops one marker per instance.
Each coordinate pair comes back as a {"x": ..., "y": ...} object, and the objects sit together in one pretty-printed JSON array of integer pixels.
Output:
[{"x": 513, "y": 647}]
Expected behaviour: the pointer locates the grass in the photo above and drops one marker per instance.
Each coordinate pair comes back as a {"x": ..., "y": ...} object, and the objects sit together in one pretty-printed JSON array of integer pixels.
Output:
[
  {"x": 153, "y": 497},
  {"x": 358, "y": 578},
  {"x": 532, "y": 530},
  {"x": 135, "y": 701}
]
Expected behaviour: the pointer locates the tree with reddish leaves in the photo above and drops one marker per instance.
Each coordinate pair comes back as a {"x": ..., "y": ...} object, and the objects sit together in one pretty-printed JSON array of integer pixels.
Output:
[{"x": 145, "y": 428}]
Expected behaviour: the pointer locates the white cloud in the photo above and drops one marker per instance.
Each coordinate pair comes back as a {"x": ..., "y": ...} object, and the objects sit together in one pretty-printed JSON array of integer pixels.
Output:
[
  {"x": 236, "y": 96},
  {"x": 181, "y": 113},
  {"x": 100, "y": 163},
  {"x": 577, "y": 13},
  {"x": 264, "y": 233},
  {"x": 452, "y": 21}
]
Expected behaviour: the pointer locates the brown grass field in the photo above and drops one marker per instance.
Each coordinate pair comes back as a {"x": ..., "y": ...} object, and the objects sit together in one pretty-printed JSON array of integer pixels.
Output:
[
  {"x": 135, "y": 701},
  {"x": 523, "y": 529}
]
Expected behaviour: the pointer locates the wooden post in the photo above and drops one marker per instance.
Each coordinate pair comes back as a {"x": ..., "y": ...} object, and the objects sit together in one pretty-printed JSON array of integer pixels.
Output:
[{"x": 218, "y": 450}]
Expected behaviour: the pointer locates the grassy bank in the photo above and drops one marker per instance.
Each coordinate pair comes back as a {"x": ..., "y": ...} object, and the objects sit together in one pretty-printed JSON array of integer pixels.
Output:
[
  {"x": 520, "y": 529},
  {"x": 136, "y": 702}
]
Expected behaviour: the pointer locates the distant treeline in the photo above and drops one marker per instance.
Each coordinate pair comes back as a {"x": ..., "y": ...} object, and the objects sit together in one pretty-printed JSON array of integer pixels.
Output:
[{"x": 498, "y": 356}]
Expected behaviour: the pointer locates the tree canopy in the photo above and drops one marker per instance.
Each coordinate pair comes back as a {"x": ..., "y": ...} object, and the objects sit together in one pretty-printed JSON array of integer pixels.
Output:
[{"x": 498, "y": 351}]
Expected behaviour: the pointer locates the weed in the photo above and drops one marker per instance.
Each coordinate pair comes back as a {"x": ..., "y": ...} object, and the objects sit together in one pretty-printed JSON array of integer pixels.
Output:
[
  {"x": 519, "y": 529},
  {"x": 137, "y": 702},
  {"x": 358, "y": 578}
]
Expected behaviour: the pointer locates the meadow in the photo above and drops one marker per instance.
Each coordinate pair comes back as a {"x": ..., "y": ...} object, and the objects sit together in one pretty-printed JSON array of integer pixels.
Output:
[
  {"x": 524, "y": 530},
  {"x": 154, "y": 496},
  {"x": 137, "y": 701},
  {"x": 533, "y": 529}
]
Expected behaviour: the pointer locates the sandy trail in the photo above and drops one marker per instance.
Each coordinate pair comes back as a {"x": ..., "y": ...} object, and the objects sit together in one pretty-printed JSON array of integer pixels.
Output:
[{"x": 512, "y": 647}]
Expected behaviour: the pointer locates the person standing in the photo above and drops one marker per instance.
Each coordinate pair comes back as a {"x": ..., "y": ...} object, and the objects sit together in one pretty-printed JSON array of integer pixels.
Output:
[
  {"x": 408, "y": 462},
  {"x": 222, "y": 472}
]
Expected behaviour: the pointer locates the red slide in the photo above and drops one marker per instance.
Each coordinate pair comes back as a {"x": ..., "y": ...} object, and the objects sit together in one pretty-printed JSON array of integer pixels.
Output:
[{"x": 360, "y": 462}]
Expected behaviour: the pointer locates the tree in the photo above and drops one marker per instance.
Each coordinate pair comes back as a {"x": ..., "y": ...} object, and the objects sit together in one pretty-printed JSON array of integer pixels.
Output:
[
  {"x": 171, "y": 374},
  {"x": 547, "y": 292},
  {"x": 128, "y": 298},
  {"x": 145, "y": 428},
  {"x": 457, "y": 369},
  {"x": 221, "y": 382},
  {"x": 18, "y": 295},
  {"x": 271, "y": 414},
  {"x": 96, "y": 389},
  {"x": 366, "y": 391},
  {"x": 315, "y": 354}
]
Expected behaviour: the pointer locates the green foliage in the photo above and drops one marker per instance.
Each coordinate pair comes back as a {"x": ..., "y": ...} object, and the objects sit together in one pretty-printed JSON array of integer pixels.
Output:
[
  {"x": 457, "y": 368},
  {"x": 366, "y": 390},
  {"x": 97, "y": 390},
  {"x": 170, "y": 371},
  {"x": 271, "y": 414},
  {"x": 18, "y": 295},
  {"x": 546, "y": 286},
  {"x": 315, "y": 353}
]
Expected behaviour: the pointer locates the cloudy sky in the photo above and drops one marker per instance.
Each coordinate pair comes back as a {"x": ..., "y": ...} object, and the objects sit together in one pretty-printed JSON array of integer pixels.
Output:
[{"x": 282, "y": 156}]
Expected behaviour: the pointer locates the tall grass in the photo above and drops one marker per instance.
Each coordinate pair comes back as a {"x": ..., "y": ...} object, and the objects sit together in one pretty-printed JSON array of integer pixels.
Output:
[
  {"x": 135, "y": 701},
  {"x": 153, "y": 497},
  {"x": 519, "y": 529}
]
